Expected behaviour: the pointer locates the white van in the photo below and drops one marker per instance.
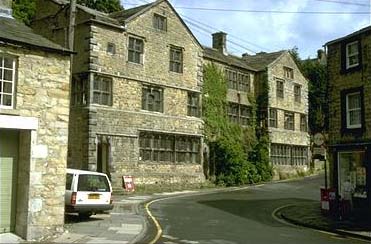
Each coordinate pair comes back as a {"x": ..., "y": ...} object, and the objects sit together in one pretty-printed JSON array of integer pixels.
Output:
[{"x": 87, "y": 192}]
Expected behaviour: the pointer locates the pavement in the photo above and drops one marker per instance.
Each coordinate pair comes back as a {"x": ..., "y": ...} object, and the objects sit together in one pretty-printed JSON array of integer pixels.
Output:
[
  {"x": 123, "y": 224},
  {"x": 308, "y": 214}
]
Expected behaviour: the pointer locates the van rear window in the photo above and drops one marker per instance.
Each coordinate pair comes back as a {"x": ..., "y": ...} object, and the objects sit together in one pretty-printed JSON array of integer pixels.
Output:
[
  {"x": 69, "y": 178},
  {"x": 93, "y": 183}
]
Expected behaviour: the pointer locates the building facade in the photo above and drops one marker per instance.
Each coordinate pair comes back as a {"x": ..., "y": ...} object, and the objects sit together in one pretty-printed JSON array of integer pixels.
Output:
[
  {"x": 283, "y": 110},
  {"x": 135, "y": 102},
  {"x": 349, "y": 139},
  {"x": 34, "y": 113}
]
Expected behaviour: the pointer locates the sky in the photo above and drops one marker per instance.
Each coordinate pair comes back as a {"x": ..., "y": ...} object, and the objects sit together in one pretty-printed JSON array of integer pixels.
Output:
[{"x": 259, "y": 25}]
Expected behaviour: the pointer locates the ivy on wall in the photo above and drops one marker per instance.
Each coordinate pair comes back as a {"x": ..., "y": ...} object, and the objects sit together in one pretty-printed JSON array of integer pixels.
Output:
[{"x": 236, "y": 155}]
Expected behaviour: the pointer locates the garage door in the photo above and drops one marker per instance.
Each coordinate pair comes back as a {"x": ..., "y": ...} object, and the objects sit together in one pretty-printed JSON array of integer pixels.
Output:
[{"x": 8, "y": 173}]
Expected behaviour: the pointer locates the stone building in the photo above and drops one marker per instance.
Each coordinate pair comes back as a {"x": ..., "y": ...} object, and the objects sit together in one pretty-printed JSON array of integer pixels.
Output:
[
  {"x": 34, "y": 113},
  {"x": 135, "y": 102},
  {"x": 240, "y": 81},
  {"x": 349, "y": 72},
  {"x": 285, "y": 110}
]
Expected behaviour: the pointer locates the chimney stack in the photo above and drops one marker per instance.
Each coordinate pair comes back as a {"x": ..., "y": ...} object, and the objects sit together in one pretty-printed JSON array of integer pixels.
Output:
[
  {"x": 220, "y": 42},
  {"x": 6, "y": 8}
]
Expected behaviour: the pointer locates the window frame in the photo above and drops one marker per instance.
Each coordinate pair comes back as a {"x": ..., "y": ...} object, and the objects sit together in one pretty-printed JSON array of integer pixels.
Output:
[
  {"x": 14, "y": 72},
  {"x": 288, "y": 72},
  {"x": 193, "y": 106},
  {"x": 176, "y": 65},
  {"x": 273, "y": 121},
  {"x": 289, "y": 124},
  {"x": 297, "y": 93},
  {"x": 145, "y": 98},
  {"x": 165, "y": 148},
  {"x": 156, "y": 22},
  {"x": 280, "y": 91},
  {"x": 136, "y": 49},
  {"x": 303, "y": 123},
  {"x": 101, "y": 92},
  {"x": 348, "y": 111},
  {"x": 347, "y": 56}
]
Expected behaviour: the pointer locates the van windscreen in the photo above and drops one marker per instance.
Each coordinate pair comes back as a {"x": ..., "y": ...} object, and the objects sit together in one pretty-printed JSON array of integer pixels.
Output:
[{"x": 93, "y": 183}]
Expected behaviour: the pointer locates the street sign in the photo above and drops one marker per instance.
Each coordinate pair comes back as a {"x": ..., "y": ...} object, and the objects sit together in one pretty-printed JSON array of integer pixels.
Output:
[
  {"x": 319, "y": 151},
  {"x": 128, "y": 183},
  {"x": 318, "y": 139}
]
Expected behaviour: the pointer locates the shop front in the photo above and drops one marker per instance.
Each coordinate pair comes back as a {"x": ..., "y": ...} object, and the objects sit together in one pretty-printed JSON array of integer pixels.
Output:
[{"x": 351, "y": 178}]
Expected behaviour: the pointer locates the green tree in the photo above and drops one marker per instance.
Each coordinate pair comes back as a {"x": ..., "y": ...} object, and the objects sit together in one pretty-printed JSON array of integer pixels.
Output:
[
  {"x": 316, "y": 73},
  {"x": 24, "y": 10},
  {"x": 233, "y": 148},
  {"x": 106, "y": 6}
]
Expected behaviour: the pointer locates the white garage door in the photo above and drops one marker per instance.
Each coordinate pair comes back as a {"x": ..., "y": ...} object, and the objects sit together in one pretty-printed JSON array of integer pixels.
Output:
[{"x": 8, "y": 173}]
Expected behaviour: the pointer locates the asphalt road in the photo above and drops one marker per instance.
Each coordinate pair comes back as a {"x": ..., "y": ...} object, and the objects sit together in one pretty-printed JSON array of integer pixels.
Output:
[{"x": 240, "y": 216}]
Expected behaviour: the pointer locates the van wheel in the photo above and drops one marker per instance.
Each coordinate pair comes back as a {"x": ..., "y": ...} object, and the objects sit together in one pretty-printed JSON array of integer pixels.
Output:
[{"x": 84, "y": 215}]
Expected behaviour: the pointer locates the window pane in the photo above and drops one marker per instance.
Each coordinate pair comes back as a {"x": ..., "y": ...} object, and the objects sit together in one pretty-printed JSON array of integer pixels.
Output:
[
  {"x": 8, "y": 74},
  {"x": 7, "y": 100},
  {"x": 8, "y": 63},
  {"x": 7, "y": 87}
]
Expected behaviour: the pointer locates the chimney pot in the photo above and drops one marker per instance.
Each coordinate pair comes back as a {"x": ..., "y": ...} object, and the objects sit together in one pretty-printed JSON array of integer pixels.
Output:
[{"x": 6, "y": 8}]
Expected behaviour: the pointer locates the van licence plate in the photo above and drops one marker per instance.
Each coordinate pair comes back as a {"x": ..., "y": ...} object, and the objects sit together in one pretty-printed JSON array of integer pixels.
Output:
[{"x": 93, "y": 196}]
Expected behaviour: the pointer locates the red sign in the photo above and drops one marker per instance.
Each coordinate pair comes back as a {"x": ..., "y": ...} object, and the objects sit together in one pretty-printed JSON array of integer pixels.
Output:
[{"x": 128, "y": 183}]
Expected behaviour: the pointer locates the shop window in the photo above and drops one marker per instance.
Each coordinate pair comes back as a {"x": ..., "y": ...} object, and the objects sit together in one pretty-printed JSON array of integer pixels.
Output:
[{"x": 352, "y": 175}]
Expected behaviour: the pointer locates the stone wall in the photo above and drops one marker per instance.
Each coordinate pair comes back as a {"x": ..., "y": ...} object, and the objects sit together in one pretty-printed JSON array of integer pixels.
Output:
[
  {"x": 339, "y": 82},
  {"x": 279, "y": 134},
  {"x": 123, "y": 121},
  {"x": 43, "y": 94}
]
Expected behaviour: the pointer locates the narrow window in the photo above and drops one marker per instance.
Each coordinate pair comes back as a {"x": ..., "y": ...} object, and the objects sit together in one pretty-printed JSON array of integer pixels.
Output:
[
  {"x": 135, "y": 50},
  {"x": 193, "y": 104},
  {"x": 152, "y": 98},
  {"x": 243, "y": 82},
  {"x": 231, "y": 77},
  {"x": 297, "y": 93},
  {"x": 233, "y": 112},
  {"x": 353, "y": 110},
  {"x": 102, "y": 90},
  {"x": 303, "y": 123},
  {"x": 79, "y": 94},
  {"x": 273, "y": 117},
  {"x": 111, "y": 48},
  {"x": 280, "y": 88},
  {"x": 289, "y": 121},
  {"x": 176, "y": 59},
  {"x": 245, "y": 115},
  {"x": 159, "y": 22},
  {"x": 352, "y": 54},
  {"x": 7, "y": 81}
]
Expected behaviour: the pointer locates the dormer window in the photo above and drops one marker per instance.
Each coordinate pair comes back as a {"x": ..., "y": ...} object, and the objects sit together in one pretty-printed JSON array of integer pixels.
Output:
[
  {"x": 352, "y": 54},
  {"x": 159, "y": 22}
]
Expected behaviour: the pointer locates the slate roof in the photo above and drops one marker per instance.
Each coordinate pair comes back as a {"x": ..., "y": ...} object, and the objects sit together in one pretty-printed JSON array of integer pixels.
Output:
[
  {"x": 212, "y": 53},
  {"x": 261, "y": 60},
  {"x": 15, "y": 32},
  {"x": 363, "y": 30},
  {"x": 123, "y": 15}
]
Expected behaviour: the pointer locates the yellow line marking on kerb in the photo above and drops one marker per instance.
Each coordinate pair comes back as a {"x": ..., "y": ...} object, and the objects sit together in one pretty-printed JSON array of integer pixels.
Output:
[{"x": 159, "y": 230}]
